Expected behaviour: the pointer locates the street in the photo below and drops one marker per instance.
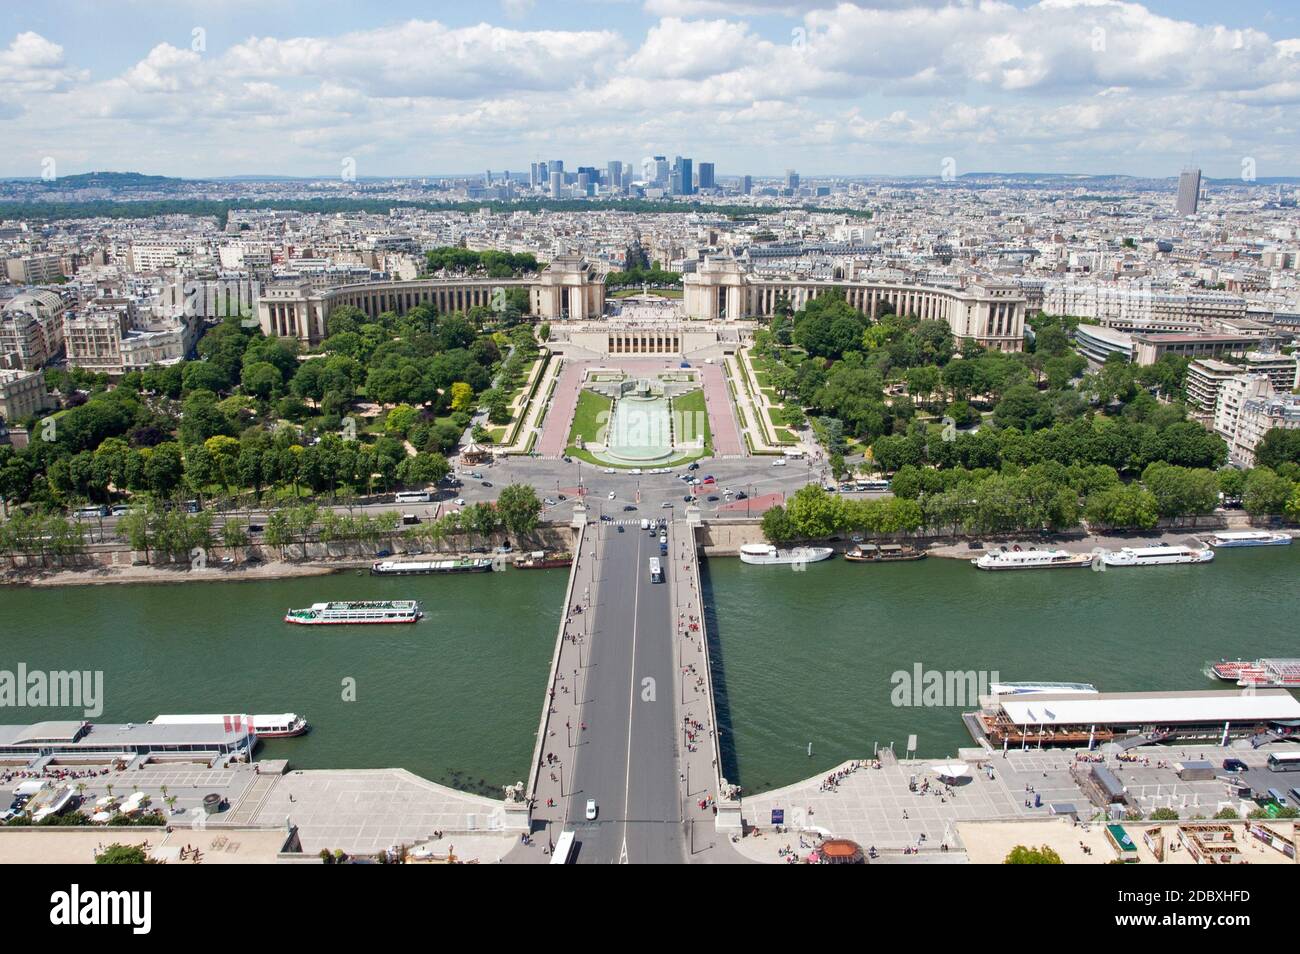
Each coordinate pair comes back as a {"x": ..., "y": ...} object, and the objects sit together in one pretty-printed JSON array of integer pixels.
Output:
[{"x": 626, "y": 756}]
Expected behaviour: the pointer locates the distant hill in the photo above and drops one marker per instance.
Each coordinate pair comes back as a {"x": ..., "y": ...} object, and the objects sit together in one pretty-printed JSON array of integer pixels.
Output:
[{"x": 117, "y": 181}]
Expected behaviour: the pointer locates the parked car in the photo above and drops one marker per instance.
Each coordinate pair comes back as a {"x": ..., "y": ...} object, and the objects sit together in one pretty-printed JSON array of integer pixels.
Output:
[
  {"x": 591, "y": 809},
  {"x": 695, "y": 465}
]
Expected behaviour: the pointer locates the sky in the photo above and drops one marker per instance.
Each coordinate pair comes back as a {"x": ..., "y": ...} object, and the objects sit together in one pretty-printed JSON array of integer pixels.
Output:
[{"x": 298, "y": 87}]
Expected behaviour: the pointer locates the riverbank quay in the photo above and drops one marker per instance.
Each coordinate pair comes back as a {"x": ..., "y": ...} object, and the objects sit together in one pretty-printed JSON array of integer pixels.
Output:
[
  {"x": 360, "y": 812},
  {"x": 721, "y": 536},
  {"x": 907, "y": 811}
]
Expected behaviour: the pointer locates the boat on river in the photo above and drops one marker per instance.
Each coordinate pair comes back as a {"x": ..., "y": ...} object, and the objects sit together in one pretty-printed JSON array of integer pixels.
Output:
[
  {"x": 1016, "y": 559},
  {"x": 356, "y": 613},
  {"x": 764, "y": 554},
  {"x": 883, "y": 553}
]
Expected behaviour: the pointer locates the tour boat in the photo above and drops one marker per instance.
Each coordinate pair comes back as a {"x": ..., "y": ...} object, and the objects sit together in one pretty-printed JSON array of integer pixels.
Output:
[
  {"x": 1262, "y": 673},
  {"x": 356, "y": 613},
  {"x": 1155, "y": 556},
  {"x": 538, "y": 560},
  {"x": 1032, "y": 560},
  {"x": 283, "y": 725},
  {"x": 418, "y": 567},
  {"x": 1249, "y": 538},
  {"x": 882, "y": 553},
  {"x": 764, "y": 554},
  {"x": 1031, "y": 688}
]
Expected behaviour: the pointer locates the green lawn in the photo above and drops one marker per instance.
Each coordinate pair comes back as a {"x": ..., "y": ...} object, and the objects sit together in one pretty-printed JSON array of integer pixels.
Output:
[
  {"x": 690, "y": 408},
  {"x": 590, "y": 417}
]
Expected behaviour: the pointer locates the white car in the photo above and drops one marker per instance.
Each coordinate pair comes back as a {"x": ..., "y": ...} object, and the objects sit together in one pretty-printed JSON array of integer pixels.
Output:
[
  {"x": 591, "y": 809},
  {"x": 611, "y": 495},
  {"x": 779, "y": 462},
  {"x": 459, "y": 501},
  {"x": 609, "y": 470}
]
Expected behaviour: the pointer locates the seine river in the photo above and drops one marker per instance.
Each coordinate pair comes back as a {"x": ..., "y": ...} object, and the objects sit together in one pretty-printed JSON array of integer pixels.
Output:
[{"x": 802, "y": 657}]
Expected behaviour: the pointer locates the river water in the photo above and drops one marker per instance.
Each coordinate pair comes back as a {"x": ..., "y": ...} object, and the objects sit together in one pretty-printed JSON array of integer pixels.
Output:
[{"x": 800, "y": 657}]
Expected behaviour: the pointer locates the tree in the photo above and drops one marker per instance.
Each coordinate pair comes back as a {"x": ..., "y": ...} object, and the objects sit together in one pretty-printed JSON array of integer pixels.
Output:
[
  {"x": 814, "y": 512},
  {"x": 461, "y": 395},
  {"x": 1123, "y": 507},
  {"x": 1021, "y": 855},
  {"x": 777, "y": 526},
  {"x": 1266, "y": 492},
  {"x": 519, "y": 508},
  {"x": 423, "y": 469},
  {"x": 119, "y": 854}
]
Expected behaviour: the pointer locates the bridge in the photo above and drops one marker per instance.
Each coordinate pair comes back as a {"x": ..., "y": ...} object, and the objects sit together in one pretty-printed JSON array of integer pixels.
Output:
[{"x": 628, "y": 718}]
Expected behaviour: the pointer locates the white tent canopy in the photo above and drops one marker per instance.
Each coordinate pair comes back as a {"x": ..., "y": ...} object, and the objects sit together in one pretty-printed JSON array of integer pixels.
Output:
[{"x": 950, "y": 769}]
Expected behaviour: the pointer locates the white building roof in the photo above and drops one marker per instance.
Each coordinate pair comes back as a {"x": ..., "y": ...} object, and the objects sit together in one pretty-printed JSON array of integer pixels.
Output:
[{"x": 1154, "y": 708}]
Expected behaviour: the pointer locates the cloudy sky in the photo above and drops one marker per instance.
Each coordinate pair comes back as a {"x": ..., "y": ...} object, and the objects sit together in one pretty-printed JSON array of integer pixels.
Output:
[{"x": 229, "y": 87}]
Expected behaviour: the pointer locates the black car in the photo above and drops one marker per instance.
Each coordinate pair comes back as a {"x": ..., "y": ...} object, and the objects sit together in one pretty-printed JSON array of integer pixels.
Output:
[
  {"x": 487, "y": 483},
  {"x": 605, "y": 518},
  {"x": 1235, "y": 765},
  {"x": 620, "y": 529},
  {"x": 741, "y": 495},
  {"x": 562, "y": 497},
  {"x": 628, "y": 508},
  {"x": 712, "y": 498},
  {"x": 688, "y": 498},
  {"x": 694, "y": 466}
]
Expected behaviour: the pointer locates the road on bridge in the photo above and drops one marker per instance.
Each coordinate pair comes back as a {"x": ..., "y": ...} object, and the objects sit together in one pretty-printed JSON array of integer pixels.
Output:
[{"x": 626, "y": 758}]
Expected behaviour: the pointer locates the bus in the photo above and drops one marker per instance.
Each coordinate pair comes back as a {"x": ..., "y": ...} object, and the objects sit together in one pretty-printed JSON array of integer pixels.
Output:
[
  {"x": 563, "y": 850},
  {"x": 656, "y": 571},
  {"x": 413, "y": 496},
  {"x": 1284, "y": 762}
]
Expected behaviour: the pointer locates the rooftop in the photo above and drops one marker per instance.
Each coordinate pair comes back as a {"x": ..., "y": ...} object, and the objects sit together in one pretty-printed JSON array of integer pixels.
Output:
[{"x": 1264, "y": 705}]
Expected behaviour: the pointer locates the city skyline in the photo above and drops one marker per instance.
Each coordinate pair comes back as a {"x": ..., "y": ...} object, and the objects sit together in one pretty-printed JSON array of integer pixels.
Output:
[{"x": 754, "y": 87}]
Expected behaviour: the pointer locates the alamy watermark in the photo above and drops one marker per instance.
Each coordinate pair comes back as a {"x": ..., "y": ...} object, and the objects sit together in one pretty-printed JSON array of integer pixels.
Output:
[
  {"x": 940, "y": 688},
  {"x": 57, "y": 688}
]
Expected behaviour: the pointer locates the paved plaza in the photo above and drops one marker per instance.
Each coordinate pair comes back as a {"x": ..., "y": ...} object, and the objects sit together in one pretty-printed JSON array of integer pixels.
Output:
[
  {"x": 873, "y": 805},
  {"x": 367, "y": 811}
]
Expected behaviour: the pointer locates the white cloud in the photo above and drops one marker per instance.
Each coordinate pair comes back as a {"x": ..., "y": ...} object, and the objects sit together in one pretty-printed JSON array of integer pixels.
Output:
[{"x": 1098, "y": 82}]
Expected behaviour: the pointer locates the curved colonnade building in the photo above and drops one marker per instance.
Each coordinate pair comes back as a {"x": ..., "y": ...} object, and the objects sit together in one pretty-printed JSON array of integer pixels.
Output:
[{"x": 570, "y": 288}]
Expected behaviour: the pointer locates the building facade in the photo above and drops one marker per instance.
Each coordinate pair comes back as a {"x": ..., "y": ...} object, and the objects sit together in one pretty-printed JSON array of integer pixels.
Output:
[
  {"x": 992, "y": 314},
  {"x": 568, "y": 288},
  {"x": 23, "y": 395}
]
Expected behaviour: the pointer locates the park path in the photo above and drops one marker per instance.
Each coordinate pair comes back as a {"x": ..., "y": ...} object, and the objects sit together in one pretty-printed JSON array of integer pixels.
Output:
[
  {"x": 555, "y": 429},
  {"x": 722, "y": 417}
]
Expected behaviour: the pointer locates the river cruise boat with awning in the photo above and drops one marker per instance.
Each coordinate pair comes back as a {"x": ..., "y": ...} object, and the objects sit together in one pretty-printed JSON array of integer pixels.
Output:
[
  {"x": 356, "y": 613},
  {"x": 283, "y": 725},
  {"x": 1029, "y": 688},
  {"x": 1272, "y": 673},
  {"x": 764, "y": 554},
  {"x": 1156, "y": 556},
  {"x": 421, "y": 567},
  {"x": 1249, "y": 538},
  {"x": 1032, "y": 560}
]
